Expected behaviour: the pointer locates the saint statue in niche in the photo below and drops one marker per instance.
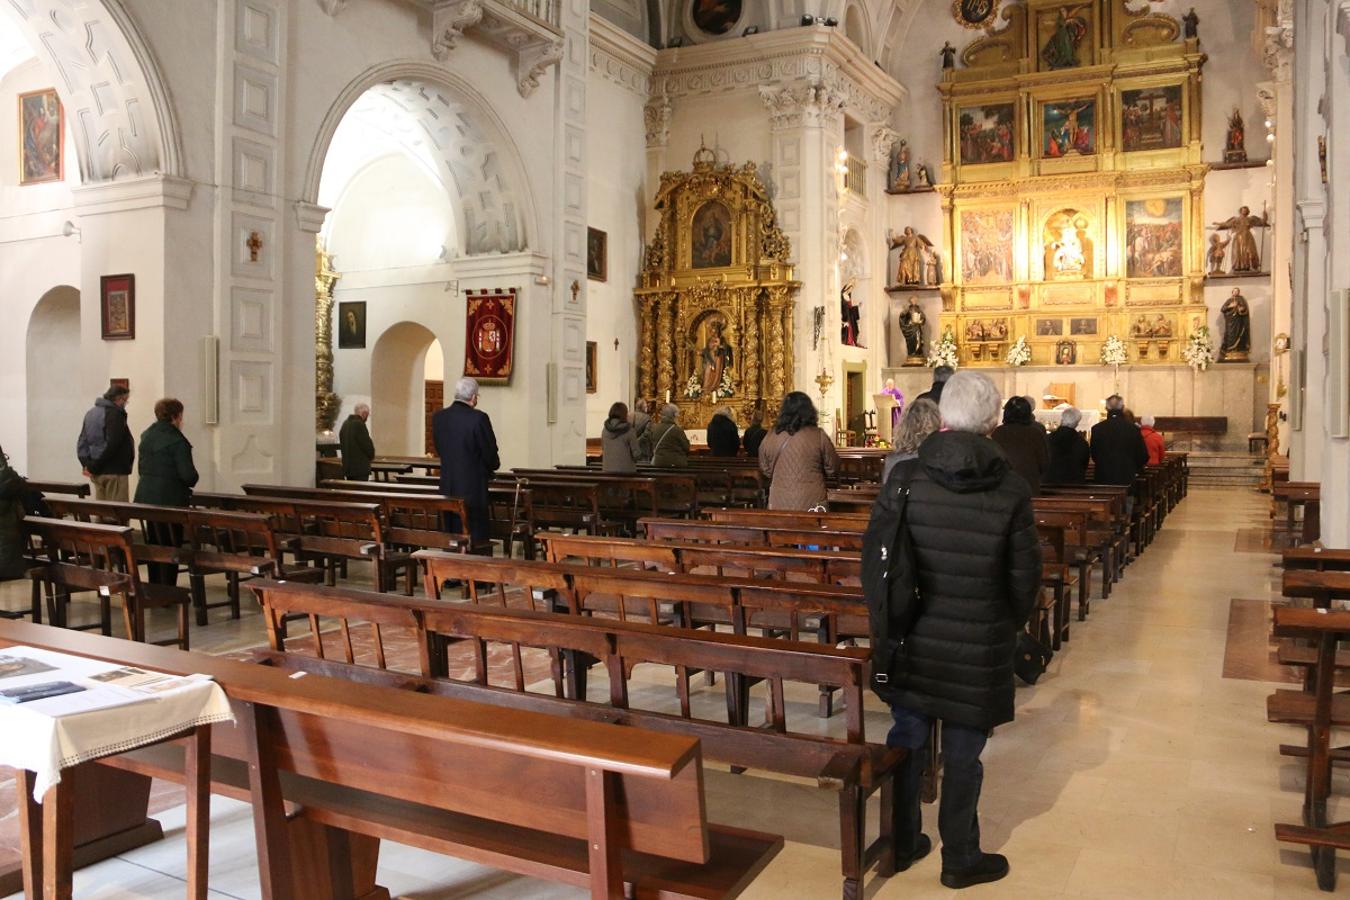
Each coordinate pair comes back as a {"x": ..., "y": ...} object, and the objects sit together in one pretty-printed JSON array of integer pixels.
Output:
[
  {"x": 712, "y": 373},
  {"x": 1235, "y": 150},
  {"x": 1237, "y": 331},
  {"x": 914, "y": 252},
  {"x": 900, "y": 177},
  {"x": 850, "y": 316},
  {"x": 1068, "y": 247},
  {"x": 1246, "y": 256},
  {"x": 1066, "y": 35},
  {"x": 912, "y": 321},
  {"x": 710, "y": 237},
  {"x": 1217, "y": 246}
]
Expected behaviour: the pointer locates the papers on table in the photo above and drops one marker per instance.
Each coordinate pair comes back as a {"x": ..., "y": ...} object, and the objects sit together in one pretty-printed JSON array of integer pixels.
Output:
[{"x": 30, "y": 677}]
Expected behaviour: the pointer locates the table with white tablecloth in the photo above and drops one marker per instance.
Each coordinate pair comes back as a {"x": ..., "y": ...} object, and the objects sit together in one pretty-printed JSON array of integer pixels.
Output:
[{"x": 1050, "y": 418}]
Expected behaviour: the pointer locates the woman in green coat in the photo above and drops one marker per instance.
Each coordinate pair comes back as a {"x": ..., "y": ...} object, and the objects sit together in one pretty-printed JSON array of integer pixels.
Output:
[{"x": 167, "y": 476}]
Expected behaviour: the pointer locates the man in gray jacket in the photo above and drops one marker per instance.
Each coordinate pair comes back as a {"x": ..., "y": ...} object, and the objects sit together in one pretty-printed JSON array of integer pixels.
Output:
[{"x": 106, "y": 448}]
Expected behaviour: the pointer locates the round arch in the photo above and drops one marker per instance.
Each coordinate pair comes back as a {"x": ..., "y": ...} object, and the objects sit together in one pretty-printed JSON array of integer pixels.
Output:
[
  {"x": 481, "y": 112},
  {"x": 109, "y": 81},
  {"x": 857, "y": 27},
  {"x": 397, "y": 381},
  {"x": 54, "y": 411}
]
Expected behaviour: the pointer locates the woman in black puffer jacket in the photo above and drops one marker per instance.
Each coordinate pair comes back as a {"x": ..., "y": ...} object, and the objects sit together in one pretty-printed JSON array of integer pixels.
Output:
[{"x": 978, "y": 567}]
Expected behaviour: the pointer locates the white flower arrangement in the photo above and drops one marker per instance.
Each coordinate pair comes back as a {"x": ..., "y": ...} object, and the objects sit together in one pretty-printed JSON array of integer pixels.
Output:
[
  {"x": 693, "y": 388},
  {"x": 1019, "y": 354},
  {"x": 1114, "y": 352},
  {"x": 1199, "y": 349},
  {"x": 944, "y": 351}
]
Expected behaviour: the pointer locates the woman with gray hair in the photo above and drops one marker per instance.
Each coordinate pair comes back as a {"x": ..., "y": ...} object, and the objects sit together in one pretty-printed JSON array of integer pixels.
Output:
[
  {"x": 978, "y": 570},
  {"x": 919, "y": 421},
  {"x": 664, "y": 442},
  {"x": 1068, "y": 451}
]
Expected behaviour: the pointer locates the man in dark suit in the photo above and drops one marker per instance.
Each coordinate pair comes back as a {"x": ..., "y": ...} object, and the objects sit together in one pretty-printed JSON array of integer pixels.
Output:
[
  {"x": 1118, "y": 449},
  {"x": 468, "y": 451}
]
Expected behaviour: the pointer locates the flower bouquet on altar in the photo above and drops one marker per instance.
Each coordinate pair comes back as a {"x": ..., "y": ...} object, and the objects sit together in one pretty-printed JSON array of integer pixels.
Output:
[
  {"x": 944, "y": 351},
  {"x": 1114, "y": 352},
  {"x": 1199, "y": 349},
  {"x": 1019, "y": 354}
]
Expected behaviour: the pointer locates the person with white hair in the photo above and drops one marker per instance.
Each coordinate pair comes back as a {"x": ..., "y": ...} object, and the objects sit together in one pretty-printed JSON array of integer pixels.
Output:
[
  {"x": 358, "y": 450},
  {"x": 1068, "y": 450},
  {"x": 1153, "y": 440},
  {"x": 1118, "y": 449},
  {"x": 977, "y": 567},
  {"x": 665, "y": 442},
  {"x": 467, "y": 447}
]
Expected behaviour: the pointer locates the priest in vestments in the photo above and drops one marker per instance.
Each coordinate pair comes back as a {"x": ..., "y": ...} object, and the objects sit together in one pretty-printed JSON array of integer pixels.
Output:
[{"x": 896, "y": 411}]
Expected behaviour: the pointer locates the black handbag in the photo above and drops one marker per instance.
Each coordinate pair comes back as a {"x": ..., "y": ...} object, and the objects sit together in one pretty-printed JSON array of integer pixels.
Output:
[{"x": 1032, "y": 658}]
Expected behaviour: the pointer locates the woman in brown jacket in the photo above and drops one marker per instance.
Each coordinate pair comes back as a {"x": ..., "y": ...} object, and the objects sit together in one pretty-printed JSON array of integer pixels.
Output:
[{"x": 797, "y": 457}]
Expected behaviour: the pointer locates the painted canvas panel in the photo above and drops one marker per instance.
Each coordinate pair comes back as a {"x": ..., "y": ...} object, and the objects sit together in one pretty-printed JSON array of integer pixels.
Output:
[
  {"x": 489, "y": 331},
  {"x": 710, "y": 237},
  {"x": 351, "y": 328},
  {"x": 986, "y": 246},
  {"x": 987, "y": 133},
  {"x": 716, "y": 16},
  {"x": 117, "y": 307},
  {"x": 1049, "y": 327},
  {"x": 1153, "y": 238},
  {"x": 41, "y": 137},
  {"x": 1151, "y": 118},
  {"x": 1082, "y": 326},
  {"x": 1069, "y": 127}
]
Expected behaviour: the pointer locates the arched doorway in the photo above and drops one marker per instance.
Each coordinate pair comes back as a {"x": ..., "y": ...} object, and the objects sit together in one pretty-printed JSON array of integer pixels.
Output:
[
  {"x": 55, "y": 411},
  {"x": 400, "y": 365}
]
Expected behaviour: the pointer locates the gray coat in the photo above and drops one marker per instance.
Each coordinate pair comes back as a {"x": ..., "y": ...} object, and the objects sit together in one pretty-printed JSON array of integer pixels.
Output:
[{"x": 619, "y": 447}]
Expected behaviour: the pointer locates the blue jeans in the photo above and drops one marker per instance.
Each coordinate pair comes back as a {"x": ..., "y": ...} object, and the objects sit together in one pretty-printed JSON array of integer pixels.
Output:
[{"x": 962, "y": 776}]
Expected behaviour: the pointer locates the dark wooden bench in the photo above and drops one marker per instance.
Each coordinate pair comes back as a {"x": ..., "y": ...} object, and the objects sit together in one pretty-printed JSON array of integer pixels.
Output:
[
  {"x": 851, "y": 766},
  {"x": 715, "y": 532},
  {"x": 620, "y": 811},
  {"x": 1206, "y": 429},
  {"x": 67, "y": 488}
]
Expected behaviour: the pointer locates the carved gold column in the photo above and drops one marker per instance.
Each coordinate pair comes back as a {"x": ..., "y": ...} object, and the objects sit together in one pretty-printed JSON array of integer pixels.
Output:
[
  {"x": 647, "y": 355},
  {"x": 777, "y": 346},
  {"x": 1272, "y": 444},
  {"x": 665, "y": 346},
  {"x": 753, "y": 390},
  {"x": 326, "y": 403}
]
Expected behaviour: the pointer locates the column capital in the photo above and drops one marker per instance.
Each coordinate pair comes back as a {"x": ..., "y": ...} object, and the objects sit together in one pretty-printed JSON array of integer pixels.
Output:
[
  {"x": 310, "y": 216},
  {"x": 126, "y": 194},
  {"x": 656, "y": 117},
  {"x": 802, "y": 104}
]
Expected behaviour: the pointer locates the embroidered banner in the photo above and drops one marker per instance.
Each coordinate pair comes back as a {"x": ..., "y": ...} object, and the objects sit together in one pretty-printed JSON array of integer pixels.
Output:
[{"x": 489, "y": 335}]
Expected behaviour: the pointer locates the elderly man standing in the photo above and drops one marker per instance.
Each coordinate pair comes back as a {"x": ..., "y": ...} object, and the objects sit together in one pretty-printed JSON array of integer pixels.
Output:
[
  {"x": 1118, "y": 449},
  {"x": 105, "y": 448},
  {"x": 977, "y": 567},
  {"x": 468, "y": 451},
  {"x": 358, "y": 450}
]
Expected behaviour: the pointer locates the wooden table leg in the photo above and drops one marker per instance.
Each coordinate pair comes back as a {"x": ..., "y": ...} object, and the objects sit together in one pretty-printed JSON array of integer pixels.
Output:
[
  {"x": 30, "y": 832},
  {"x": 197, "y": 779},
  {"x": 58, "y": 817}
]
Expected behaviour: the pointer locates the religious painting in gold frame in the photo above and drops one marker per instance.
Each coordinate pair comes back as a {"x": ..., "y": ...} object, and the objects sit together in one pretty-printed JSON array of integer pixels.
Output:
[
  {"x": 710, "y": 236},
  {"x": 985, "y": 251},
  {"x": 987, "y": 133},
  {"x": 1152, "y": 117},
  {"x": 1068, "y": 128},
  {"x": 42, "y": 137},
  {"x": 1154, "y": 237}
]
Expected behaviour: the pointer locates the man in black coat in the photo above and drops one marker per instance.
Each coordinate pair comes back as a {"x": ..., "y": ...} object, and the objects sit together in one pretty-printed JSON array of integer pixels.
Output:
[
  {"x": 106, "y": 448},
  {"x": 941, "y": 375},
  {"x": 468, "y": 451},
  {"x": 1068, "y": 451},
  {"x": 1118, "y": 448},
  {"x": 978, "y": 567},
  {"x": 358, "y": 450}
]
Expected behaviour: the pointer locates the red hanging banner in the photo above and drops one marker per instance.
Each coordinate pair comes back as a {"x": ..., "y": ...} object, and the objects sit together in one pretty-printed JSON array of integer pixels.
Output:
[{"x": 489, "y": 335}]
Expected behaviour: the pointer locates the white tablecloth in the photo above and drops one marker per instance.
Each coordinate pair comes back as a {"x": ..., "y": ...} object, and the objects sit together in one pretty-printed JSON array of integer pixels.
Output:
[
  {"x": 1050, "y": 418},
  {"x": 46, "y": 736}
]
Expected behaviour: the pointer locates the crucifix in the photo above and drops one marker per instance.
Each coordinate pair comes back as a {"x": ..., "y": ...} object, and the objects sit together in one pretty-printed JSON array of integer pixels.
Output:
[
  {"x": 576, "y": 289},
  {"x": 254, "y": 244}
]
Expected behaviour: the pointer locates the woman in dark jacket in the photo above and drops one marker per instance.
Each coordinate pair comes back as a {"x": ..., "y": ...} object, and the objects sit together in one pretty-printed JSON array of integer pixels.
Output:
[
  {"x": 798, "y": 457},
  {"x": 12, "y": 487},
  {"x": 1068, "y": 451},
  {"x": 754, "y": 435},
  {"x": 724, "y": 439},
  {"x": 618, "y": 442},
  {"x": 1023, "y": 441},
  {"x": 167, "y": 476},
  {"x": 978, "y": 569}
]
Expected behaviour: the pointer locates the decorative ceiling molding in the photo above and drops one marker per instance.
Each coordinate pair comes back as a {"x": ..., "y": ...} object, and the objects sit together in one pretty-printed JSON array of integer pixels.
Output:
[
  {"x": 536, "y": 45},
  {"x": 883, "y": 142},
  {"x": 1278, "y": 52},
  {"x": 807, "y": 57},
  {"x": 620, "y": 58},
  {"x": 809, "y": 104},
  {"x": 656, "y": 116}
]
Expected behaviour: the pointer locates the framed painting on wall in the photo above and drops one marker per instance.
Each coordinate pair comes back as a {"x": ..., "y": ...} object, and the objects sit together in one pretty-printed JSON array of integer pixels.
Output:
[
  {"x": 42, "y": 132},
  {"x": 710, "y": 237},
  {"x": 715, "y": 17},
  {"x": 1066, "y": 353},
  {"x": 987, "y": 134},
  {"x": 1069, "y": 127},
  {"x": 1151, "y": 118},
  {"x": 1153, "y": 238},
  {"x": 597, "y": 255},
  {"x": 1049, "y": 327},
  {"x": 591, "y": 385},
  {"x": 986, "y": 246},
  {"x": 352, "y": 325},
  {"x": 1082, "y": 326},
  {"x": 117, "y": 307}
]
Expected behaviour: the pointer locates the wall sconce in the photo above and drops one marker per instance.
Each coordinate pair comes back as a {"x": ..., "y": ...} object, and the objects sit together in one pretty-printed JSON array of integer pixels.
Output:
[{"x": 808, "y": 19}]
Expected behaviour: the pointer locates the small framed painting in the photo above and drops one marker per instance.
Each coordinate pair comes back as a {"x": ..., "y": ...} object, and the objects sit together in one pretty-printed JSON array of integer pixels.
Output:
[
  {"x": 591, "y": 383},
  {"x": 1082, "y": 326},
  {"x": 117, "y": 303},
  {"x": 597, "y": 255},
  {"x": 119, "y": 382},
  {"x": 352, "y": 325},
  {"x": 1066, "y": 353},
  {"x": 1049, "y": 327},
  {"x": 42, "y": 133}
]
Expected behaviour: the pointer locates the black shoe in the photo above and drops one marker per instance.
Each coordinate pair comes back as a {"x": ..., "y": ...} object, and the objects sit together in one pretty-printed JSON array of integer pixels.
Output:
[
  {"x": 989, "y": 867},
  {"x": 922, "y": 847}
]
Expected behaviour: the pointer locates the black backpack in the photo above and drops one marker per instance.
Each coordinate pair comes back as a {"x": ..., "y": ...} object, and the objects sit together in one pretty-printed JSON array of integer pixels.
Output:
[{"x": 889, "y": 575}]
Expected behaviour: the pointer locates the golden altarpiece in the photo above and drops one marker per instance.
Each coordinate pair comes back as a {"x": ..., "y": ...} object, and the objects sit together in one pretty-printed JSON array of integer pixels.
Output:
[
  {"x": 1072, "y": 185},
  {"x": 716, "y": 295}
]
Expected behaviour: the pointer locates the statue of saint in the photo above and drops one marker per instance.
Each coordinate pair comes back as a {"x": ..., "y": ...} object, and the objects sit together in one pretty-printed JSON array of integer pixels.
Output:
[
  {"x": 1237, "y": 330},
  {"x": 1236, "y": 149},
  {"x": 1191, "y": 24},
  {"x": 1217, "y": 247},
  {"x": 948, "y": 53},
  {"x": 1061, "y": 48},
  {"x": 922, "y": 171},
  {"x": 714, "y": 360},
  {"x": 1246, "y": 257},
  {"x": 912, "y": 256},
  {"x": 912, "y": 321},
  {"x": 900, "y": 168}
]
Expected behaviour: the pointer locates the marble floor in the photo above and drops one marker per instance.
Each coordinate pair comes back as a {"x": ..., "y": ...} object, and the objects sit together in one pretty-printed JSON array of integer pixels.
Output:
[{"x": 1140, "y": 766}]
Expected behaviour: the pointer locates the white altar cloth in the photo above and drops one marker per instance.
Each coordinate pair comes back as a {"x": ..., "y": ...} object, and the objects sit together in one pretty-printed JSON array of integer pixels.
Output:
[
  {"x": 1050, "y": 418},
  {"x": 110, "y": 716}
]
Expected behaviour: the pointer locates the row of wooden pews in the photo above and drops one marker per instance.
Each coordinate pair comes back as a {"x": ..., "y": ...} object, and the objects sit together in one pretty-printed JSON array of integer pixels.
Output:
[{"x": 1310, "y": 637}]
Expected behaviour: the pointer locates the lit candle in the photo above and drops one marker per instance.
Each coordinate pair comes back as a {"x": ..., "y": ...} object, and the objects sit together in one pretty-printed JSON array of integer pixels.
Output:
[{"x": 667, "y": 395}]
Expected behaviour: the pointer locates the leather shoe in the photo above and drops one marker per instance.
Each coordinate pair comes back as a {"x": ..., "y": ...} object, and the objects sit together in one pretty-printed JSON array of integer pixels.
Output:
[
  {"x": 989, "y": 867},
  {"x": 922, "y": 847}
]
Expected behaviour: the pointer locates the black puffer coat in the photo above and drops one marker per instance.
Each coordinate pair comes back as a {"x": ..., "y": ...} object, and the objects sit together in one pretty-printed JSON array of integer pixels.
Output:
[{"x": 979, "y": 564}]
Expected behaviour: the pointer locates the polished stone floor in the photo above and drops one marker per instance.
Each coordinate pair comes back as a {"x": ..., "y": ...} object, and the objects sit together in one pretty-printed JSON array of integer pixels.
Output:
[{"x": 1140, "y": 766}]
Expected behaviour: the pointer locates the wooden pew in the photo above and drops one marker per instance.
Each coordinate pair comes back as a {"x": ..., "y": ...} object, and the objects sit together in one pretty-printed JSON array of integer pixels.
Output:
[
  {"x": 577, "y": 802},
  {"x": 1319, "y": 711},
  {"x": 1320, "y": 559},
  {"x": 713, "y": 532},
  {"x": 102, "y": 558},
  {"x": 1296, "y": 496},
  {"x": 785, "y": 519},
  {"x": 671, "y": 493},
  {"x": 1321, "y": 587},
  {"x": 1078, "y": 549},
  {"x": 852, "y": 766},
  {"x": 69, "y": 488},
  {"x": 670, "y": 556}
]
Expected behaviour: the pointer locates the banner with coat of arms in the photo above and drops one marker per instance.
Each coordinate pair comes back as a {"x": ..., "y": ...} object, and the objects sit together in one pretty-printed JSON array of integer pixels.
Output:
[{"x": 489, "y": 336}]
